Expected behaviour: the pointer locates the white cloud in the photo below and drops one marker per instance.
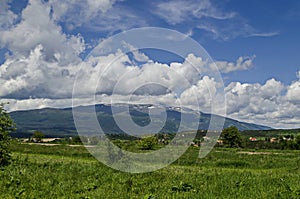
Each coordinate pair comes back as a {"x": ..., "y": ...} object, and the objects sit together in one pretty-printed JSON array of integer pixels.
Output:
[
  {"x": 116, "y": 19},
  {"x": 242, "y": 63},
  {"x": 27, "y": 104},
  {"x": 272, "y": 103},
  {"x": 85, "y": 9},
  {"x": 298, "y": 74},
  {"x": 293, "y": 92},
  {"x": 35, "y": 76},
  {"x": 271, "y": 89},
  {"x": 37, "y": 28},
  {"x": 204, "y": 16},
  {"x": 207, "y": 16},
  {"x": 123, "y": 77},
  {"x": 7, "y": 17},
  {"x": 45, "y": 61},
  {"x": 264, "y": 34},
  {"x": 179, "y": 11},
  {"x": 43, "y": 57},
  {"x": 41, "y": 83},
  {"x": 138, "y": 56},
  {"x": 205, "y": 89},
  {"x": 95, "y": 16}
]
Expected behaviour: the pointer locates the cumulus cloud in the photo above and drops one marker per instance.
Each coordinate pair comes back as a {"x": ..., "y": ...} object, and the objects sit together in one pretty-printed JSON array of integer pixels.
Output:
[
  {"x": 44, "y": 63},
  {"x": 49, "y": 84},
  {"x": 138, "y": 56},
  {"x": 7, "y": 17},
  {"x": 242, "y": 63},
  {"x": 271, "y": 103},
  {"x": 35, "y": 76},
  {"x": 37, "y": 28},
  {"x": 271, "y": 89},
  {"x": 151, "y": 80},
  {"x": 35, "y": 82},
  {"x": 254, "y": 98},
  {"x": 293, "y": 92},
  {"x": 27, "y": 104},
  {"x": 42, "y": 60}
]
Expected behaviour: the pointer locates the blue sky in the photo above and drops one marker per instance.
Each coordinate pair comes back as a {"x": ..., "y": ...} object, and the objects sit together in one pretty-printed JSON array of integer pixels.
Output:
[
  {"x": 270, "y": 30},
  {"x": 263, "y": 35}
]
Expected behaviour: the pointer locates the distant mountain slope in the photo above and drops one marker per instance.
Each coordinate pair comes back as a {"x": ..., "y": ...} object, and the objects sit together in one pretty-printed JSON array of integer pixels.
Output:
[{"x": 59, "y": 122}]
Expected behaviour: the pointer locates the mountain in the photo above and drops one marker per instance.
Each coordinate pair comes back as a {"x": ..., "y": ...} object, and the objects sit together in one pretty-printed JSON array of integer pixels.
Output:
[{"x": 59, "y": 122}]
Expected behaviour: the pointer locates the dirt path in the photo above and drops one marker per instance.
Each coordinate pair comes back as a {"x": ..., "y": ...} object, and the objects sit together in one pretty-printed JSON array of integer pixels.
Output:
[
  {"x": 260, "y": 153},
  {"x": 70, "y": 145}
]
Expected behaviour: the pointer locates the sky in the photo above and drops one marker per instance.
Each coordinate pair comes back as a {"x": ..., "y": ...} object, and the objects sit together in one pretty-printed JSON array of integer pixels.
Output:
[{"x": 255, "y": 44}]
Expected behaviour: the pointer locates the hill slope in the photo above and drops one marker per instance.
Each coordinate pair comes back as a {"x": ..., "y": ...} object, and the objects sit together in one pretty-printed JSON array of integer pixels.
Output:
[{"x": 59, "y": 122}]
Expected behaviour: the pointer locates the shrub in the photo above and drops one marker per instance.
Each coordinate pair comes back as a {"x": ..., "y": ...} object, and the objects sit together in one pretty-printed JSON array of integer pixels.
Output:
[{"x": 148, "y": 143}]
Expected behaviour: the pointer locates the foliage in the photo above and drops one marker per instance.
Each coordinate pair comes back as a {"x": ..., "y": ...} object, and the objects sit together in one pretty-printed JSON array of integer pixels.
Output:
[
  {"x": 270, "y": 133},
  {"x": 76, "y": 139},
  {"x": 38, "y": 136},
  {"x": 113, "y": 155},
  {"x": 291, "y": 143},
  {"x": 149, "y": 196},
  {"x": 261, "y": 144},
  {"x": 182, "y": 187},
  {"x": 232, "y": 137},
  {"x": 67, "y": 140},
  {"x": 6, "y": 127},
  {"x": 287, "y": 142},
  {"x": 148, "y": 142},
  {"x": 94, "y": 140}
]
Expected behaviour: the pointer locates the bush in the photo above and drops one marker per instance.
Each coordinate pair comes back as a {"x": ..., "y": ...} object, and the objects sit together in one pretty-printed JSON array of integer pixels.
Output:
[
  {"x": 6, "y": 127},
  {"x": 148, "y": 143}
]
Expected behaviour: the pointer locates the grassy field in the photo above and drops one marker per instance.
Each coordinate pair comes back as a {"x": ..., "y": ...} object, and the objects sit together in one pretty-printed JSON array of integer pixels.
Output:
[{"x": 63, "y": 171}]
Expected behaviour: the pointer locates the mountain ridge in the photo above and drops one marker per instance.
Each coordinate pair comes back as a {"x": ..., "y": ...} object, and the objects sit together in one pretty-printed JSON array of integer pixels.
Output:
[{"x": 58, "y": 122}]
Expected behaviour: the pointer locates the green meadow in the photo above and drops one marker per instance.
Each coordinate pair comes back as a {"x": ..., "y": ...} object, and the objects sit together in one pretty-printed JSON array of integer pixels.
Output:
[{"x": 64, "y": 171}]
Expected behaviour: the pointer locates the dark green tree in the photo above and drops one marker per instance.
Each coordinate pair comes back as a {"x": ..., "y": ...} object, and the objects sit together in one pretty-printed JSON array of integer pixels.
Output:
[
  {"x": 232, "y": 137},
  {"x": 297, "y": 142},
  {"x": 76, "y": 140},
  {"x": 38, "y": 136},
  {"x": 6, "y": 127},
  {"x": 148, "y": 143}
]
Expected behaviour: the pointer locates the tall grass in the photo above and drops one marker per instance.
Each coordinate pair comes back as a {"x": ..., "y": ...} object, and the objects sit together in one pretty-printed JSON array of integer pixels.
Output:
[{"x": 69, "y": 172}]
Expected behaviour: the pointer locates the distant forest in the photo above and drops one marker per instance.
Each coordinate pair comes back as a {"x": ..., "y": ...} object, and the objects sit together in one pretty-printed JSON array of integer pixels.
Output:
[{"x": 270, "y": 133}]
